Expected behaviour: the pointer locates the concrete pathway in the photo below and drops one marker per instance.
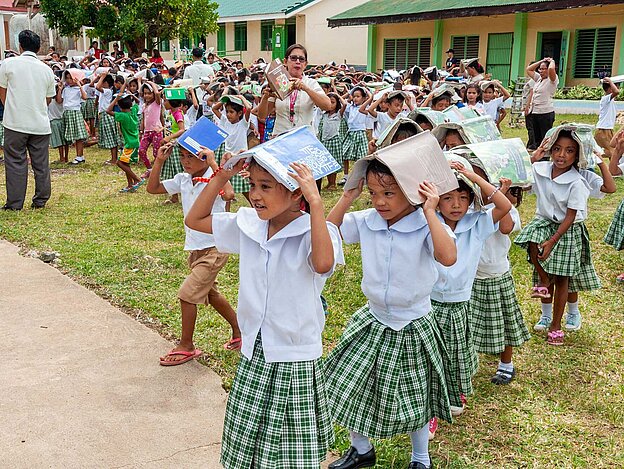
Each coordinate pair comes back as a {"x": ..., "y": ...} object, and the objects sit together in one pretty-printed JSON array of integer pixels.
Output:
[{"x": 81, "y": 387}]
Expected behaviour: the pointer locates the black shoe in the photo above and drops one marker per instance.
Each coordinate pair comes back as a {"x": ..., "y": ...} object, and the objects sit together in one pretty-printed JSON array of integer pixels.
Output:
[
  {"x": 503, "y": 376},
  {"x": 418, "y": 465},
  {"x": 10, "y": 209},
  {"x": 353, "y": 460},
  {"x": 36, "y": 206}
]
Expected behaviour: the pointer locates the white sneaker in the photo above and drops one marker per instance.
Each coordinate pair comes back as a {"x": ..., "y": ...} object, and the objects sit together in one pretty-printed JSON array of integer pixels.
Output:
[
  {"x": 78, "y": 160},
  {"x": 573, "y": 322},
  {"x": 542, "y": 324}
]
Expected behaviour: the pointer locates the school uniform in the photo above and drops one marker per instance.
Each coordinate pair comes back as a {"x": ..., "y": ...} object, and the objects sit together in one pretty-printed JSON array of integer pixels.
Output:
[
  {"x": 606, "y": 123},
  {"x": 330, "y": 136},
  {"x": 88, "y": 106},
  {"x": 451, "y": 295},
  {"x": 172, "y": 165},
  {"x": 107, "y": 127},
  {"x": 355, "y": 145},
  {"x": 276, "y": 414},
  {"x": 55, "y": 114},
  {"x": 384, "y": 121},
  {"x": 73, "y": 121},
  {"x": 496, "y": 324},
  {"x": 235, "y": 142},
  {"x": 492, "y": 107},
  {"x": 571, "y": 255},
  {"x": 387, "y": 375}
]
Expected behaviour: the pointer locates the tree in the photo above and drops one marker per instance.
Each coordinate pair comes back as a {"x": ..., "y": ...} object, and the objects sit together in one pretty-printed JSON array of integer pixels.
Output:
[{"x": 131, "y": 21}]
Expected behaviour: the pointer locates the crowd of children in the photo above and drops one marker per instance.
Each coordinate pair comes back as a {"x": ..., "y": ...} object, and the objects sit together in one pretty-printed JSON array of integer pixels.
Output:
[{"x": 431, "y": 271}]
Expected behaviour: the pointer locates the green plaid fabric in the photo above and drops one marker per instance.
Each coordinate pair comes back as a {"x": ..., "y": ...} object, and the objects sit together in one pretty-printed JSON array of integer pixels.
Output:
[
  {"x": 75, "y": 128},
  {"x": 355, "y": 145},
  {"x": 172, "y": 165},
  {"x": 108, "y": 131},
  {"x": 344, "y": 129},
  {"x": 219, "y": 152},
  {"x": 334, "y": 147},
  {"x": 239, "y": 183},
  {"x": 88, "y": 109},
  {"x": 277, "y": 415},
  {"x": 57, "y": 137},
  {"x": 615, "y": 233},
  {"x": 495, "y": 324},
  {"x": 383, "y": 382},
  {"x": 1, "y": 134},
  {"x": 453, "y": 321}
]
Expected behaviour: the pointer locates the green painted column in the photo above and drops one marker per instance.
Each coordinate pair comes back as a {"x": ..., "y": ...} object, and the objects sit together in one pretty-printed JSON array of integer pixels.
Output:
[
  {"x": 518, "y": 53},
  {"x": 371, "y": 54},
  {"x": 438, "y": 43}
]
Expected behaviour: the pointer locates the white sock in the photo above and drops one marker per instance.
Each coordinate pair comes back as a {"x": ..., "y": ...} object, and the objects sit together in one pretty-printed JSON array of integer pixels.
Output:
[
  {"x": 420, "y": 446},
  {"x": 506, "y": 366},
  {"x": 547, "y": 310},
  {"x": 573, "y": 308},
  {"x": 361, "y": 443}
]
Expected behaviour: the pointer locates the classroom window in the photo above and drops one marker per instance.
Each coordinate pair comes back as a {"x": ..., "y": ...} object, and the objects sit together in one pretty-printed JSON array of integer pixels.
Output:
[
  {"x": 465, "y": 47},
  {"x": 594, "y": 52},
  {"x": 164, "y": 46},
  {"x": 266, "y": 34},
  {"x": 402, "y": 54},
  {"x": 240, "y": 36},
  {"x": 221, "y": 39}
]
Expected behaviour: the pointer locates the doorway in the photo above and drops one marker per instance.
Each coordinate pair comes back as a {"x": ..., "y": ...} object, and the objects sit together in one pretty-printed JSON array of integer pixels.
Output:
[
  {"x": 498, "y": 63},
  {"x": 555, "y": 44},
  {"x": 291, "y": 32}
]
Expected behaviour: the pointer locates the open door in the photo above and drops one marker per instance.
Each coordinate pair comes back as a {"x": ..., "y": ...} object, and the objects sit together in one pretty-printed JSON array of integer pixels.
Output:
[{"x": 563, "y": 58}]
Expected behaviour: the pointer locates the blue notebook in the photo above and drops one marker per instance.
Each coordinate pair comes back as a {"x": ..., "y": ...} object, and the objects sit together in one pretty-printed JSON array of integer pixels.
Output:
[
  {"x": 298, "y": 145},
  {"x": 204, "y": 134}
]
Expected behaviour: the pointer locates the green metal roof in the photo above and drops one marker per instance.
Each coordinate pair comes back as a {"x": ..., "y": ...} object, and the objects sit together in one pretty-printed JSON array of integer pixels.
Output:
[
  {"x": 403, "y": 11},
  {"x": 232, "y": 8}
]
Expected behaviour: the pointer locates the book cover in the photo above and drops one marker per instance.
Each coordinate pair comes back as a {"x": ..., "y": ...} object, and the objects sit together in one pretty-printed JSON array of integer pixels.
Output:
[
  {"x": 299, "y": 145},
  {"x": 584, "y": 136},
  {"x": 411, "y": 161},
  {"x": 475, "y": 130},
  {"x": 388, "y": 134},
  {"x": 204, "y": 134},
  {"x": 506, "y": 158},
  {"x": 435, "y": 118},
  {"x": 279, "y": 79}
]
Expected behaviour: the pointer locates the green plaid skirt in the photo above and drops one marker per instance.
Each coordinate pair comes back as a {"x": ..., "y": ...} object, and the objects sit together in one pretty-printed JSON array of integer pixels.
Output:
[
  {"x": 454, "y": 323},
  {"x": 75, "y": 128},
  {"x": 334, "y": 147},
  {"x": 277, "y": 415},
  {"x": 495, "y": 317},
  {"x": 239, "y": 183},
  {"x": 57, "y": 137},
  {"x": 108, "y": 131},
  {"x": 383, "y": 382},
  {"x": 570, "y": 257},
  {"x": 88, "y": 109},
  {"x": 355, "y": 145},
  {"x": 615, "y": 233},
  {"x": 172, "y": 165}
]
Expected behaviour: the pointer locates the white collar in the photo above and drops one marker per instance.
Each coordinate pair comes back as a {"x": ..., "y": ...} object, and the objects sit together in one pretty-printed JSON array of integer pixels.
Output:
[
  {"x": 249, "y": 223},
  {"x": 408, "y": 224},
  {"x": 544, "y": 169},
  {"x": 29, "y": 54},
  {"x": 465, "y": 223}
]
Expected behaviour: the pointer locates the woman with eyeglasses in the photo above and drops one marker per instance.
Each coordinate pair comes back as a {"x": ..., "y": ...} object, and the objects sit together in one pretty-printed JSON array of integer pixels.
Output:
[{"x": 297, "y": 109}]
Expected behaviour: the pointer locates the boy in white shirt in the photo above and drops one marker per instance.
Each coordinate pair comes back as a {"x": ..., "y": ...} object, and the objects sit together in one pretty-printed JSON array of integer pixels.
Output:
[
  {"x": 606, "y": 118},
  {"x": 396, "y": 101},
  {"x": 205, "y": 261},
  {"x": 492, "y": 105}
]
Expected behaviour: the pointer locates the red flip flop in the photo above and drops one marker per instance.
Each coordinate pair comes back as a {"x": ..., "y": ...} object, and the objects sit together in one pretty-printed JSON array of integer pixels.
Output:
[
  {"x": 188, "y": 356},
  {"x": 233, "y": 344}
]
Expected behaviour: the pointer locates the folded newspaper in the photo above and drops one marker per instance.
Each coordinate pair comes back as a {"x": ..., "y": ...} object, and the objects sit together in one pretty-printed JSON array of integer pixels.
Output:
[
  {"x": 400, "y": 123},
  {"x": 450, "y": 156},
  {"x": 507, "y": 158},
  {"x": 475, "y": 130},
  {"x": 299, "y": 145},
  {"x": 434, "y": 118},
  {"x": 459, "y": 114},
  {"x": 411, "y": 161},
  {"x": 584, "y": 136}
]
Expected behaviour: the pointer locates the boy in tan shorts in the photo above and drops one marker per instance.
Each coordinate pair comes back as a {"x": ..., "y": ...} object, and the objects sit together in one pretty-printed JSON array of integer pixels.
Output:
[{"x": 200, "y": 287}]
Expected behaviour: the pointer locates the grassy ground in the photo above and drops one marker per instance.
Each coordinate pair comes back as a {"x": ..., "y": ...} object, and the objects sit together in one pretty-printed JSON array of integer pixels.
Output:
[{"x": 563, "y": 410}]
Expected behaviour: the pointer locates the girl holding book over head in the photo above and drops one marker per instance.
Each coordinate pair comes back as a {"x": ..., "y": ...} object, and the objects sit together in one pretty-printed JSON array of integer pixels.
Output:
[
  {"x": 277, "y": 414},
  {"x": 387, "y": 374},
  {"x": 557, "y": 240},
  {"x": 355, "y": 145}
]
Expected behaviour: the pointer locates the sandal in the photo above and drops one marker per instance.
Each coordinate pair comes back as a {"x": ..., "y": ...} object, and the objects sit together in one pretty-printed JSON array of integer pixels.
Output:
[
  {"x": 540, "y": 291},
  {"x": 620, "y": 278},
  {"x": 188, "y": 356},
  {"x": 503, "y": 376},
  {"x": 555, "y": 338},
  {"x": 233, "y": 344}
]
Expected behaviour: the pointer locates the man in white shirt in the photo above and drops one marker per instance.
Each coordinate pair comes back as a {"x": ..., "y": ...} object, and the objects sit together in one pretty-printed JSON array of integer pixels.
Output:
[
  {"x": 606, "y": 118},
  {"x": 27, "y": 86},
  {"x": 198, "y": 69}
]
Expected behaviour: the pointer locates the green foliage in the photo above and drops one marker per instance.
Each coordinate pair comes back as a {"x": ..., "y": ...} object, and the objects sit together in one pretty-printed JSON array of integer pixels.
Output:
[
  {"x": 131, "y": 21},
  {"x": 584, "y": 92}
]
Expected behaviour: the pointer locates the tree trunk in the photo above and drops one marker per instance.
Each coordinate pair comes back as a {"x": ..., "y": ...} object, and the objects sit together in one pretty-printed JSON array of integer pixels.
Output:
[{"x": 135, "y": 47}]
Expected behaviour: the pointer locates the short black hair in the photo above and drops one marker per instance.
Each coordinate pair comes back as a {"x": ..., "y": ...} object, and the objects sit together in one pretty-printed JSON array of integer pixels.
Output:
[
  {"x": 176, "y": 103},
  {"x": 398, "y": 97},
  {"x": 237, "y": 107},
  {"x": 197, "y": 52},
  {"x": 464, "y": 187},
  {"x": 29, "y": 41},
  {"x": 109, "y": 79},
  {"x": 119, "y": 79},
  {"x": 379, "y": 170},
  {"x": 443, "y": 96},
  {"x": 405, "y": 131},
  {"x": 125, "y": 102}
]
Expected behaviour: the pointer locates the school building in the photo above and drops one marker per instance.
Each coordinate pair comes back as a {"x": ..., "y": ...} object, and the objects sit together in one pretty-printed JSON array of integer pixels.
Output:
[
  {"x": 583, "y": 36},
  {"x": 249, "y": 29}
]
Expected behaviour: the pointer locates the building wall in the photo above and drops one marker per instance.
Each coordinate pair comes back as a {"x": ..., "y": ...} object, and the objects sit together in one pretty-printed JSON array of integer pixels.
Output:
[{"x": 571, "y": 20}]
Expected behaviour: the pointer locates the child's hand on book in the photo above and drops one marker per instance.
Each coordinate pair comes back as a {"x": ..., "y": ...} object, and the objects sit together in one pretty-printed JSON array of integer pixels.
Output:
[
  {"x": 430, "y": 192},
  {"x": 304, "y": 177},
  {"x": 208, "y": 156},
  {"x": 505, "y": 184},
  {"x": 352, "y": 194},
  {"x": 165, "y": 150}
]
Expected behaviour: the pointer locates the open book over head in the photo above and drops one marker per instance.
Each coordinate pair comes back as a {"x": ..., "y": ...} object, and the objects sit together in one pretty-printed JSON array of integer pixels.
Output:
[
  {"x": 450, "y": 156},
  {"x": 299, "y": 145},
  {"x": 278, "y": 79},
  {"x": 459, "y": 114},
  {"x": 583, "y": 134},
  {"x": 507, "y": 158},
  {"x": 204, "y": 134},
  {"x": 434, "y": 118},
  {"x": 475, "y": 130},
  {"x": 400, "y": 123},
  {"x": 411, "y": 162}
]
